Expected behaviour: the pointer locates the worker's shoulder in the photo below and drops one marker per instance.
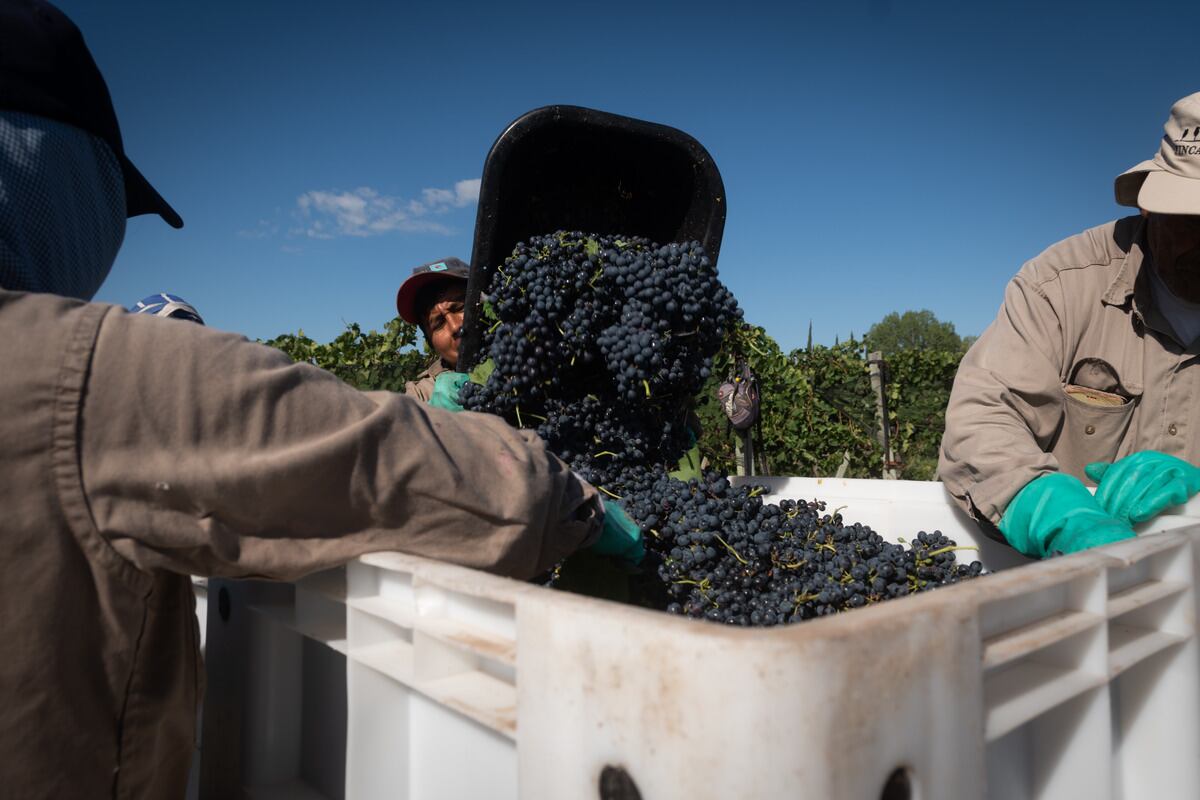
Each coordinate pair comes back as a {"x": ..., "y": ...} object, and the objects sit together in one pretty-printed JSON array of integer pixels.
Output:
[
  {"x": 50, "y": 320},
  {"x": 1095, "y": 255},
  {"x": 49, "y": 307},
  {"x": 422, "y": 386}
]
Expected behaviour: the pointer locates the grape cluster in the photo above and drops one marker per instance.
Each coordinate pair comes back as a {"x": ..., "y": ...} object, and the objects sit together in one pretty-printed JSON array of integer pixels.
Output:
[
  {"x": 600, "y": 344},
  {"x": 727, "y": 556}
]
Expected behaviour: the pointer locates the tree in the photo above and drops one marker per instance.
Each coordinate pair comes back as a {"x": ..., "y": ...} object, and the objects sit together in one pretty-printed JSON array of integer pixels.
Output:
[
  {"x": 919, "y": 386},
  {"x": 913, "y": 330},
  {"x": 370, "y": 360}
]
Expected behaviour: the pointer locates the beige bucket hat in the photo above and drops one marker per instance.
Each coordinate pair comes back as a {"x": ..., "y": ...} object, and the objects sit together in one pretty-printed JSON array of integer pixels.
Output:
[{"x": 1169, "y": 183}]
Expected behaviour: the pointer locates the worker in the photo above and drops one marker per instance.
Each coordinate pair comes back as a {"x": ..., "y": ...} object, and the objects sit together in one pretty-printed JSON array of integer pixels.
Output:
[
  {"x": 1089, "y": 374},
  {"x": 433, "y": 298},
  {"x": 166, "y": 305},
  {"x": 137, "y": 452}
]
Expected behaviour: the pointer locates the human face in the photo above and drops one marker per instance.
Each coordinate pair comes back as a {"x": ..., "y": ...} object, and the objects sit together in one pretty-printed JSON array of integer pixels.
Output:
[
  {"x": 444, "y": 320},
  {"x": 1175, "y": 246}
]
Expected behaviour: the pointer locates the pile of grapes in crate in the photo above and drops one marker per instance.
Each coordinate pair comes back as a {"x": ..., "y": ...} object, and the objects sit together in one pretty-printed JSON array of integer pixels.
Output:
[{"x": 601, "y": 344}]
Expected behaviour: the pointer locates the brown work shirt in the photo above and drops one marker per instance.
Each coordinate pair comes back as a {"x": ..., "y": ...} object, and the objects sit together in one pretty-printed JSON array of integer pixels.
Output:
[
  {"x": 139, "y": 450},
  {"x": 1079, "y": 366},
  {"x": 422, "y": 386}
]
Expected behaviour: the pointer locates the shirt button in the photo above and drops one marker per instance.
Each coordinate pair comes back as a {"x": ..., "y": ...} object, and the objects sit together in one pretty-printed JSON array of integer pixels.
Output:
[
  {"x": 1172, "y": 429},
  {"x": 1089, "y": 430}
]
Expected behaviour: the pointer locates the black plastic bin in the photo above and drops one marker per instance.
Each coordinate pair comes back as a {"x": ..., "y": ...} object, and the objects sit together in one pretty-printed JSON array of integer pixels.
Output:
[{"x": 572, "y": 168}]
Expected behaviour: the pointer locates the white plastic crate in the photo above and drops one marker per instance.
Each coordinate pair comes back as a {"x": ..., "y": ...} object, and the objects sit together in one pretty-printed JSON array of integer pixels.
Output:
[{"x": 399, "y": 677}]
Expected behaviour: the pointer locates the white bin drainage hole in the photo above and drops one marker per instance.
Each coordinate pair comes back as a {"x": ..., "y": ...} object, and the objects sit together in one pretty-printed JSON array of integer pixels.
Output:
[
  {"x": 899, "y": 786},
  {"x": 615, "y": 784}
]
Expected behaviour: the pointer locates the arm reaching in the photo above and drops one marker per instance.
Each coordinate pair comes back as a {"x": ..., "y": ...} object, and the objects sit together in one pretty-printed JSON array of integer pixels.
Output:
[{"x": 201, "y": 452}]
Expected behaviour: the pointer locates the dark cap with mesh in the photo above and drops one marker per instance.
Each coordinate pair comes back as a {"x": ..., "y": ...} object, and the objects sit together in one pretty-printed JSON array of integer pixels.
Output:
[{"x": 47, "y": 70}]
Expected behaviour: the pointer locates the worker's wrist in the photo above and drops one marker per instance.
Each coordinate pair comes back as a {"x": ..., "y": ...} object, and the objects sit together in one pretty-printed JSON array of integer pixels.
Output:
[{"x": 590, "y": 511}]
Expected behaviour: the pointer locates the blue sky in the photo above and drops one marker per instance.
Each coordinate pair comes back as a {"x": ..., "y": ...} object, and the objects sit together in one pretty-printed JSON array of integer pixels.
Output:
[{"x": 877, "y": 156}]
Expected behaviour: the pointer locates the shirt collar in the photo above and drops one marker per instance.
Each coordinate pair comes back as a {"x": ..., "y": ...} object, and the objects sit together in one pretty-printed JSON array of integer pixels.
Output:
[
  {"x": 1124, "y": 284},
  {"x": 1131, "y": 287}
]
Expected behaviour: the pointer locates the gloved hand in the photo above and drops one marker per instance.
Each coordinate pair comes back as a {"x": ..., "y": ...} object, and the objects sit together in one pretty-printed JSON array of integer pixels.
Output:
[
  {"x": 445, "y": 390},
  {"x": 1056, "y": 513},
  {"x": 620, "y": 537},
  {"x": 1138, "y": 487}
]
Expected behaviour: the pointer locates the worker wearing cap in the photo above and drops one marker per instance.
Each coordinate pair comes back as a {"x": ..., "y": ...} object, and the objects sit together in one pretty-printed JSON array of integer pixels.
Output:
[
  {"x": 171, "y": 306},
  {"x": 433, "y": 299},
  {"x": 1089, "y": 373},
  {"x": 136, "y": 452}
]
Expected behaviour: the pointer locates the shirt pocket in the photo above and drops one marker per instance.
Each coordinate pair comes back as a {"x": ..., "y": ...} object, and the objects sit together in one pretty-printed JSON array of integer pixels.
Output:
[{"x": 1094, "y": 428}]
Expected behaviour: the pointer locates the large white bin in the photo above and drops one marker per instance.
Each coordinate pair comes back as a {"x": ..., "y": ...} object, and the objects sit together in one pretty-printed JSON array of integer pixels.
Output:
[{"x": 398, "y": 677}]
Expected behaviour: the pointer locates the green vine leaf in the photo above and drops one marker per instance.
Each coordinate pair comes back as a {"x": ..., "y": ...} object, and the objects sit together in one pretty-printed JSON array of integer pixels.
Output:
[{"x": 482, "y": 371}]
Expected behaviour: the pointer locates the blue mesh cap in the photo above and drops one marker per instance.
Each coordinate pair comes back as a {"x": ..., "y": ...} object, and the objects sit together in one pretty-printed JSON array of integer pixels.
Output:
[{"x": 166, "y": 305}]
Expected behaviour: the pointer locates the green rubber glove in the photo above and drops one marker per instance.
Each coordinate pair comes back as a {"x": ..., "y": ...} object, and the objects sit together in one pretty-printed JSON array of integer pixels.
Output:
[
  {"x": 445, "y": 390},
  {"x": 1056, "y": 513},
  {"x": 1138, "y": 487},
  {"x": 620, "y": 537}
]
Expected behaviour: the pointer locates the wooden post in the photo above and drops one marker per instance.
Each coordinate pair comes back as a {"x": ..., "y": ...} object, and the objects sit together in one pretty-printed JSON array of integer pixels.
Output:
[
  {"x": 877, "y": 366},
  {"x": 743, "y": 452},
  {"x": 845, "y": 465}
]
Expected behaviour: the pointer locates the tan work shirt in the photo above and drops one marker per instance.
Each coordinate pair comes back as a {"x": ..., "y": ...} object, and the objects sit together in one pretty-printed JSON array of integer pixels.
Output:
[
  {"x": 137, "y": 450},
  {"x": 1079, "y": 366},
  {"x": 422, "y": 387}
]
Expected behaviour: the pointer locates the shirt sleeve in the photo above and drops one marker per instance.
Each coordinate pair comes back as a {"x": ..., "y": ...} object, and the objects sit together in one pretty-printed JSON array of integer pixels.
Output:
[
  {"x": 203, "y": 453},
  {"x": 1006, "y": 405}
]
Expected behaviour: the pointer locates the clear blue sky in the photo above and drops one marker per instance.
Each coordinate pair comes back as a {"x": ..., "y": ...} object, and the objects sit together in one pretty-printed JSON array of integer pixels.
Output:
[{"x": 878, "y": 156}]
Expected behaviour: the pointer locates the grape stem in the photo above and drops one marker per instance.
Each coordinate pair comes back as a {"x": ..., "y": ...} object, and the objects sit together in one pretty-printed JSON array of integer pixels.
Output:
[
  {"x": 730, "y": 549},
  {"x": 933, "y": 553}
]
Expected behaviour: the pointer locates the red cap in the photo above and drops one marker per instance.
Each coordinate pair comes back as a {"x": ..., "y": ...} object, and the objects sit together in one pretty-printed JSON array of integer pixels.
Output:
[{"x": 422, "y": 276}]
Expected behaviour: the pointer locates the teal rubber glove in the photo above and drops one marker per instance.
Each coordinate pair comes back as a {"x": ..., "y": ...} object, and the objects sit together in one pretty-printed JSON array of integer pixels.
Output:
[
  {"x": 620, "y": 537},
  {"x": 1138, "y": 487},
  {"x": 445, "y": 390},
  {"x": 1056, "y": 513}
]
